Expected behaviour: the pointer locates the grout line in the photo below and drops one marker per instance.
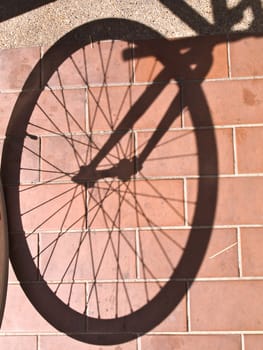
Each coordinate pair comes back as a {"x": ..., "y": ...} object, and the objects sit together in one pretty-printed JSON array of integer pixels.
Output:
[
  {"x": 41, "y": 68},
  {"x": 188, "y": 305},
  {"x": 86, "y": 111},
  {"x": 148, "y": 280},
  {"x": 143, "y": 130},
  {"x": 242, "y": 341},
  {"x": 133, "y": 64},
  {"x": 99, "y": 85},
  {"x": 38, "y": 342},
  {"x": 146, "y": 228},
  {"x": 235, "y": 151},
  {"x": 60, "y": 334},
  {"x": 185, "y": 201},
  {"x": 138, "y": 253},
  {"x": 139, "y": 343},
  {"x": 40, "y": 159},
  {"x": 239, "y": 252},
  {"x": 229, "y": 59},
  {"x": 182, "y": 107}
]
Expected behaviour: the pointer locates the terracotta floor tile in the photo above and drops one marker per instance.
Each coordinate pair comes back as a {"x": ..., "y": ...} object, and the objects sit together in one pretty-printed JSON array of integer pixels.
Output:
[
  {"x": 52, "y": 207},
  {"x": 226, "y": 305},
  {"x": 30, "y": 161},
  {"x": 62, "y": 156},
  {"x": 72, "y": 294},
  {"x": 159, "y": 203},
  {"x": 161, "y": 251},
  {"x": 159, "y": 101},
  {"x": 181, "y": 59},
  {"x": 109, "y": 105},
  {"x": 229, "y": 102},
  {"x": 251, "y": 243},
  {"x": 58, "y": 111},
  {"x": 71, "y": 72},
  {"x": 7, "y": 102},
  {"x": 114, "y": 147},
  {"x": 235, "y": 198},
  {"x": 245, "y": 56},
  {"x": 111, "y": 299},
  {"x": 48, "y": 342},
  {"x": 177, "y": 154},
  {"x": 16, "y": 65},
  {"x": 189, "y": 342},
  {"x": 14, "y": 342},
  {"x": 88, "y": 255},
  {"x": 249, "y": 150},
  {"x": 17, "y": 306},
  {"x": 112, "y": 205},
  {"x": 16, "y": 243},
  {"x": 253, "y": 342},
  {"x": 106, "y": 64}
]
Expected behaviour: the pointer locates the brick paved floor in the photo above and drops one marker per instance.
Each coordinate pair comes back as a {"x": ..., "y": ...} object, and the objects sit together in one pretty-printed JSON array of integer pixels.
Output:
[{"x": 121, "y": 161}]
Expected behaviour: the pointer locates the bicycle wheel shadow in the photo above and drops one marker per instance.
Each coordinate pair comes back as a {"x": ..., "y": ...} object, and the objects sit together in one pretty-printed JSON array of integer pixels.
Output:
[{"x": 136, "y": 188}]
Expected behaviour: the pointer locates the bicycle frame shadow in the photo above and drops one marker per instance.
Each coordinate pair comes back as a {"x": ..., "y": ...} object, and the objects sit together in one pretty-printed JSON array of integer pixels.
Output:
[
  {"x": 13, "y": 8},
  {"x": 188, "y": 66}
]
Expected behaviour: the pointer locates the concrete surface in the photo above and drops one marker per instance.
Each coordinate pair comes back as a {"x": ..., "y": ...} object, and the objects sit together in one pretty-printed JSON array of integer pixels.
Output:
[{"x": 44, "y": 25}]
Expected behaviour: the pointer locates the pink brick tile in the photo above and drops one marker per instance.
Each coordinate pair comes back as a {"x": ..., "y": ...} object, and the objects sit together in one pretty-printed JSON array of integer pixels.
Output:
[
  {"x": 18, "y": 342},
  {"x": 16, "y": 65},
  {"x": 71, "y": 72},
  {"x": 251, "y": 243},
  {"x": 105, "y": 62},
  {"x": 245, "y": 53},
  {"x": 113, "y": 255},
  {"x": 235, "y": 198},
  {"x": 52, "y": 207},
  {"x": 115, "y": 299},
  {"x": 112, "y": 205},
  {"x": 72, "y": 294},
  {"x": 157, "y": 101},
  {"x": 17, "y": 306},
  {"x": 253, "y": 341},
  {"x": 7, "y": 102},
  {"x": 19, "y": 261},
  {"x": 181, "y": 58},
  {"x": 58, "y": 112},
  {"x": 30, "y": 161},
  {"x": 189, "y": 342},
  {"x": 226, "y": 305},
  {"x": 229, "y": 102},
  {"x": 122, "y": 149},
  {"x": 177, "y": 153},
  {"x": 159, "y": 203},
  {"x": 48, "y": 342},
  {"x": 249, "y": 150},
  {"x": 109, "y": 105},
  {"x": 83, "y": 255},
  {"x": 220, "y": 259},
  {"x": 63, "y": 155}
]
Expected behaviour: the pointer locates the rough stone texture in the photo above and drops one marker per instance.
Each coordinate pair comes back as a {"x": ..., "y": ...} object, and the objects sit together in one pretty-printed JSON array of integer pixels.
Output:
[{"x": 29, "y": 24}]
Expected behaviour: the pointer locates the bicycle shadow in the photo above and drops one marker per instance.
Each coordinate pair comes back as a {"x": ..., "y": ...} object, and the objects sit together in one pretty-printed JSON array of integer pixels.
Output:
[
  {"x": 13, "y": 8},
  {"x": 129, "y": 168}
]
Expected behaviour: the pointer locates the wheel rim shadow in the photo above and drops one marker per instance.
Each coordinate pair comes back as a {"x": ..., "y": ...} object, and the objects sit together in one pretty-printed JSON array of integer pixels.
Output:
[{"x": 55, "y": 311}]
